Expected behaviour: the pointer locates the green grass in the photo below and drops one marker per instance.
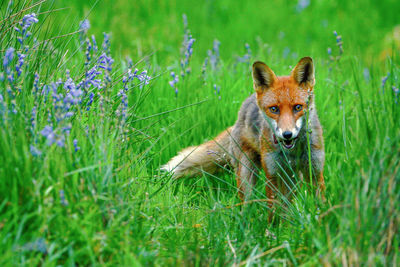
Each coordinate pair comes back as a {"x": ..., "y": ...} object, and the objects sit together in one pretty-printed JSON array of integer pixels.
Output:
[{"x": 121, "y": 211}]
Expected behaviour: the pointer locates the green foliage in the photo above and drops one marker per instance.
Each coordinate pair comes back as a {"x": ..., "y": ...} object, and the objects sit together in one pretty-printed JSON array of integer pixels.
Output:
[{"x": 107, "y": 203}]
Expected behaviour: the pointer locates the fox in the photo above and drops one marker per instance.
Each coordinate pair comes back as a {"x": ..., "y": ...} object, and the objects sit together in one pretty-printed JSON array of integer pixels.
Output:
[{"x": 269, "y": 133}]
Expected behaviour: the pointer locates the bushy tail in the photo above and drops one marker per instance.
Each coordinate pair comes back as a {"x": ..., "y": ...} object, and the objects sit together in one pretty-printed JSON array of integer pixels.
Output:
[{"x": 209, "y": 157}]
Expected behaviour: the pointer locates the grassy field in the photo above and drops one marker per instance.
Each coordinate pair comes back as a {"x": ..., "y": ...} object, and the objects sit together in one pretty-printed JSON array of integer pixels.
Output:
[{"x": 82, "y": 134}]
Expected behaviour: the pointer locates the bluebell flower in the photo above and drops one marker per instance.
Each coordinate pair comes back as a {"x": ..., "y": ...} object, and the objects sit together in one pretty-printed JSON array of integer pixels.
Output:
[
  {"x": 87, "y": 52},
  {"x": 339, "y": 42},
  {"x": 246, "y": 57},
  {"x": 26, "y": 22},
  {"x": 89, "y": 103},
  {"x": 214, "y": 60},
  {"x": 175, "y": 80},
  {"x": 302, "y": 4},
  {"x": 76, "y": 147},
  {"x": 67, "y": 129},
  {"x": 187, "y": 48},
  {"x": 49, "y": 134},
  {"x": 60, "y": 141},
  {"x": 84, "y": 25},
  {"x": 384, "y": 79},
  {"x": 36, "y": 84},
  {"x": 34, "y": 151},
  {"x": 129, "y": 62},
  {"x": 95, "y": 48},
  {"x": 91, "y": 78},
  {"x": 33, "y": 117},
  {"x": 8, "y": 57},
  {"x": 217, "y": 91},
  {"x": 212, "y": 57},
  {"x": 39, "y": 245},
  {"x": 11, "y": 77},
  {"x": 105, "y": 62},
  {"x": 204, "y": 67},
  {"x": 106, "y": 43},
  {"x": 20, "y": 63},
  {"x": 143, "y": 77},
  {"x": 185, "y": 21},
  {"x": 329, "y": 50},
  {"x": 396, "y": 94}
]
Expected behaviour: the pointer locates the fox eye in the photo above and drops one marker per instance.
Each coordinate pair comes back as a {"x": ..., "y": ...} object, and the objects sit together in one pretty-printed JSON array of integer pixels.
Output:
[
  {"x": 297, "y": 108},
  {"x": 274, "y": 109}
]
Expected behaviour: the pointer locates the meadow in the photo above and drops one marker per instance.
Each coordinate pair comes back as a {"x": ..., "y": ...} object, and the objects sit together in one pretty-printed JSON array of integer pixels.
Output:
[{"x": 96, "y": 95}]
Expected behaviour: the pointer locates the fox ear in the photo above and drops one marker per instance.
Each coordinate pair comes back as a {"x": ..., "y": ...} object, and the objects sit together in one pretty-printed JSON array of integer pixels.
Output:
[
  {"x": 303, "y": 73},
  {"x": 263, "y": 76}
]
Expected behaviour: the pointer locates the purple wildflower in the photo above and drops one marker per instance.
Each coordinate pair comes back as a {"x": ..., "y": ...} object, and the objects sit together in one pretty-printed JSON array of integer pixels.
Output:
[
  {"x": 302, "y": 4},
  {"x": 185, "y": 21},
  {"x": 213, "y": 55},
  {"x": 36, "y": 83},
  {"x": 129, "y": 62},
  {"x": 20, "y": 63},
  {"x": 1, "y": 105},
  {"x": 67, "y": 129},
  {"x": 175, "y": 80},
  {"x": 384, "y": 79},
  {"x": 76, "y": 147},
  {"x": 217, "y": 91},
  {"x": 39, "y": 245},
  {"x": 246, "y": 57},
  {"x": 143, "y": 77},
  {"x": 60, "y": 141},
  {"x": 10, "y": 77},
  {"x": 105, "y": 62},
  {"x": 187, "y": 48},
  {"x": 49, "y": 134},
  {"x": 74, "y": 93},
  {"x": 329, "y": 50},
  {"x": 124, "y": 103},
  {"x": 87, "y": 52},
  {"x": 106, "y": 43},
  {"x": 34, "y": 151},
  {"x": 396, "y": 94},
  {"x": 95, "y": 48},
  {"x": 33, "y": 117},
  {"x": 27, "y": 21},
  {"x": 91, "y": 95},
  {"x": 8, "y": 57},
  {"x": 84, "y": 25},
  {"x": 91, "y": 76},
  {"x": 339, "y": 42},
  {"x": 204, "y": 67}
]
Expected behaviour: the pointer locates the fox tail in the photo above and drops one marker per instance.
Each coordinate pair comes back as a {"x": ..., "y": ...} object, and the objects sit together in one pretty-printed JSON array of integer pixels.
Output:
[{"x": 209, "y": 157}]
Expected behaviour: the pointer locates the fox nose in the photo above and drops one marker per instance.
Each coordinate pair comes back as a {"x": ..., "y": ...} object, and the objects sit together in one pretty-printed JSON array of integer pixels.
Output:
[{"x": 287, "y": 134}]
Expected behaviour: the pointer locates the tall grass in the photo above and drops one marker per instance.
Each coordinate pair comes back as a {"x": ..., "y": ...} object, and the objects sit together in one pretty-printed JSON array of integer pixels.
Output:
[{"x": 79, "y": 174}]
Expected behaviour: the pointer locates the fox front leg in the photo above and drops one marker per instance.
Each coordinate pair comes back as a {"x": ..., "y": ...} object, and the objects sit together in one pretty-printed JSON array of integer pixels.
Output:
[
  {"x": 318, "y": 157},
  {"x": 246, "y": 174}
]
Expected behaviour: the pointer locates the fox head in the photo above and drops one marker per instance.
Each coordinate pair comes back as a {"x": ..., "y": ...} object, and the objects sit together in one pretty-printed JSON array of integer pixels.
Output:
[{"x": 284, "y": 99}]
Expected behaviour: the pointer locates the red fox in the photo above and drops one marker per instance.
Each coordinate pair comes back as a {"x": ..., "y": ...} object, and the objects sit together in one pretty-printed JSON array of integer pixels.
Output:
[{"x": 270, "y": 132}]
